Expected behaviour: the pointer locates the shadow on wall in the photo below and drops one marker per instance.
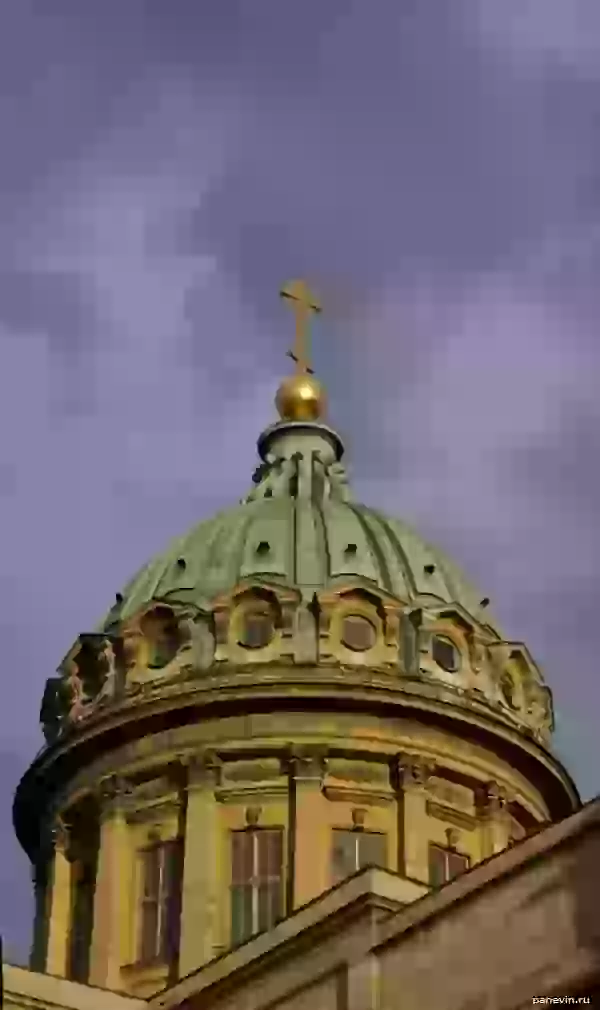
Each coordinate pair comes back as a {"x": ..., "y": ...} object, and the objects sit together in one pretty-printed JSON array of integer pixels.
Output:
[
  {"x": 585, "y": 888},
  {"x": 16, "y": 891}
]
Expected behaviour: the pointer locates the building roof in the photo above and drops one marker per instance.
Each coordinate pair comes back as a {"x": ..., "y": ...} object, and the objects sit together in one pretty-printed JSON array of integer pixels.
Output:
[{"x": 299, "y": 526}]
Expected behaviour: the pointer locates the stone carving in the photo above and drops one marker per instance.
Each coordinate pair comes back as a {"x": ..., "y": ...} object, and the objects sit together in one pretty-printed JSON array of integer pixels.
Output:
[
  {"x": 198, "y": 641},
  {"x": 108, "y": 659},
  {"x": 414, "y": 770},
  {"x": 539, "y": 709},
  {"x": 477, "y": 651},
  {"x": 54, "y": 709},
  {"x": 78, "y": 699},
  {"x": 410, "y": 623},
  {"x": 113, "y": 794},
  {"x": 204, "y": 769},
  {"x": 490, "y": 798},
  {"x": 308, "y": 763},
  {"x": 134, "y": 649}
]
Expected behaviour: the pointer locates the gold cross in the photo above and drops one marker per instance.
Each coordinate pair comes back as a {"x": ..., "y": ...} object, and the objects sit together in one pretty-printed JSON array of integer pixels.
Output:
[{"x": 303, "y": 303}]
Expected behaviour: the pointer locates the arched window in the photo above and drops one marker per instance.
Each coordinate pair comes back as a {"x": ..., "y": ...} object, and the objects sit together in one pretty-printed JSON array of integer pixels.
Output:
[{"x": 255, "y": 624}]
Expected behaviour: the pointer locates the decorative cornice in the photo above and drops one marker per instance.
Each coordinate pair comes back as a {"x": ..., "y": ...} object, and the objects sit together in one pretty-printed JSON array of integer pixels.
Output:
[{"x": 450, "y": 815}]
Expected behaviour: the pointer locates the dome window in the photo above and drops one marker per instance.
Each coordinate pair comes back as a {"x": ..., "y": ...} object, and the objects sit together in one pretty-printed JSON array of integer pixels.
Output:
[
  {"x": 351, "y": 551},
  {"x": 263, "y": 548},
  {"x": 358, "y": 633},
  {"x": 162, "y": 636},
  {"x": 181, "y": 564},
  {"x": 429, "y": 569},
  {"x": 256, "y": 628},
  {"x": 445, "y": 654}
]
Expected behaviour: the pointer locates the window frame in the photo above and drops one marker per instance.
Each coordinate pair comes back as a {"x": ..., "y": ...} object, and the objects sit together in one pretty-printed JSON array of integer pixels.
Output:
[
  {"x": 359, "y": 864},
  {"x": 448, "y": 854},
  {"x": 445, "y": 640},
  {"x": 258, "y": 882},
  {"x": 164, "y": 905}
]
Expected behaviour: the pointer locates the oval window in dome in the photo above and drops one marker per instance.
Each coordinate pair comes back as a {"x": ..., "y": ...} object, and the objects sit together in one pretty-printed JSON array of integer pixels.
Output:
[
  {"x": 445, "y": 654},
  {"x": 358, "y": 633},
  {"x": 257, "y": 628}
]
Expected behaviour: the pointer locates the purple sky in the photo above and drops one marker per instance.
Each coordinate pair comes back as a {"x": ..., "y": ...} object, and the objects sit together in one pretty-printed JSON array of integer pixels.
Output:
[{"x": 432, "y": 167}]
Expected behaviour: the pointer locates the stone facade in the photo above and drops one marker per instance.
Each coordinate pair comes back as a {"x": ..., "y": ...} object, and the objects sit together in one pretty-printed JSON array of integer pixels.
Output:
[{"x": 522, "y": 926}]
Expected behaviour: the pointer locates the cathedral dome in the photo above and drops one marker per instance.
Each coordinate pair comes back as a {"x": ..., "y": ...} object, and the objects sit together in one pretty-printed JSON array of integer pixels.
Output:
[
  {"x": 299, "y": 642},
  {"x": 301, "y": 528}
]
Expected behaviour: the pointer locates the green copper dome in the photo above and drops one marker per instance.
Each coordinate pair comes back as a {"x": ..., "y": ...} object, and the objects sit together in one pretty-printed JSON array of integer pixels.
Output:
[{"x": 299, "y": 526}]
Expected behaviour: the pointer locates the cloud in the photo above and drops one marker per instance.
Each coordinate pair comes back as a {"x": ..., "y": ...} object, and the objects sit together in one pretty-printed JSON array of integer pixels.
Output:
[
  {"x": 121, "y": 413},
  {"x": 541, "y": 35}
]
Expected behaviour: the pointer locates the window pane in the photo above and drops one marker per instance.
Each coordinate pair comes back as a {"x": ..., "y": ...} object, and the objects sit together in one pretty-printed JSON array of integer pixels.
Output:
[
  {"x": 457, "y": 864},
  {"x": 241, "y": 856},
  {"x": 270, "y": 854},
  {"x": 269, "y": 905},
  {"x": 149, "y": 929},
  {"x": 241, "y": 913},
  {"x": 151, "y": 861},
  {"x": 372, "y": 849},
  {"x": 344, "y": 855},
  {"x": 444, "y": 653},
  {"x": 171, "y": 897},
  {"x": 437, "y": 866}
]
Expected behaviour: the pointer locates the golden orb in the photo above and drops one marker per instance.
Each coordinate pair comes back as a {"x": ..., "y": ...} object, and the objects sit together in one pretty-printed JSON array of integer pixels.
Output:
[{"x": 300, "y": 398}]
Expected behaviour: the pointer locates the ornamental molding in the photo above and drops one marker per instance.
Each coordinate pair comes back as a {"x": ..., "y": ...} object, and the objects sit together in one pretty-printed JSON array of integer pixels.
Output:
[{"x": 450, "y": 815}]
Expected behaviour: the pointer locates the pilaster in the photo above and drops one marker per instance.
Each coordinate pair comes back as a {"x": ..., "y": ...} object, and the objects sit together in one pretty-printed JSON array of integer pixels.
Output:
[
  {"x": 311, "y": 842},
  {"x": 203, "y": 876},
  {"x": 494, "y": 819},
  {"x": 113, "y": 887},
  {"x": 41, "y": 876},
  {"x": 59, "y": 924},
  {"x": 412, "y": 775}
]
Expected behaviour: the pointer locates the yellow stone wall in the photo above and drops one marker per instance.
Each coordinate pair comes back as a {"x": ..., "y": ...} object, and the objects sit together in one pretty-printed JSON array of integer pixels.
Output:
[{"x": 415, "y": 784}]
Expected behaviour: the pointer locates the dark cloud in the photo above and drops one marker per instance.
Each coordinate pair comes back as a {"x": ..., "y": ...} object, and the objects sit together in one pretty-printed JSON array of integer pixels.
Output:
[{"x": 433, "y": 169}]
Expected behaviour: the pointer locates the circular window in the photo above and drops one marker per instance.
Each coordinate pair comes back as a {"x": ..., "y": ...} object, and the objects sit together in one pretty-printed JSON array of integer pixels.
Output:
[
  {"x": 358, "y": 633},
  {"x": 445, "y": 654},
  {"x": 509, "y": 691},
  {"x": 257, "y": 629}
]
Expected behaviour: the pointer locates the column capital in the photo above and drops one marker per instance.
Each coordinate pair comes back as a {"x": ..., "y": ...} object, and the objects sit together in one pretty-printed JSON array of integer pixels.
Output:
[
  {"x": 59, "y": 835},
  {"x": 113, "y": 793},
  {"x": 203, "y": 769},
  {"x": 308, "y": 762},
  {"x": 490, "y": 799},
  {"x": 413, "y": 771}
]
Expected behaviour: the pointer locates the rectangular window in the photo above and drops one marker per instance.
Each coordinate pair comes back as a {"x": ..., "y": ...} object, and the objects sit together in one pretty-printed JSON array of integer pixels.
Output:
[
  {"x": 256, "y": 881},
  {"x": 353, "y": 850},
  {"x": 83, "y": 883},
  {"x": 162, "y": 869},
  {"x": 445, "y": 865}
]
